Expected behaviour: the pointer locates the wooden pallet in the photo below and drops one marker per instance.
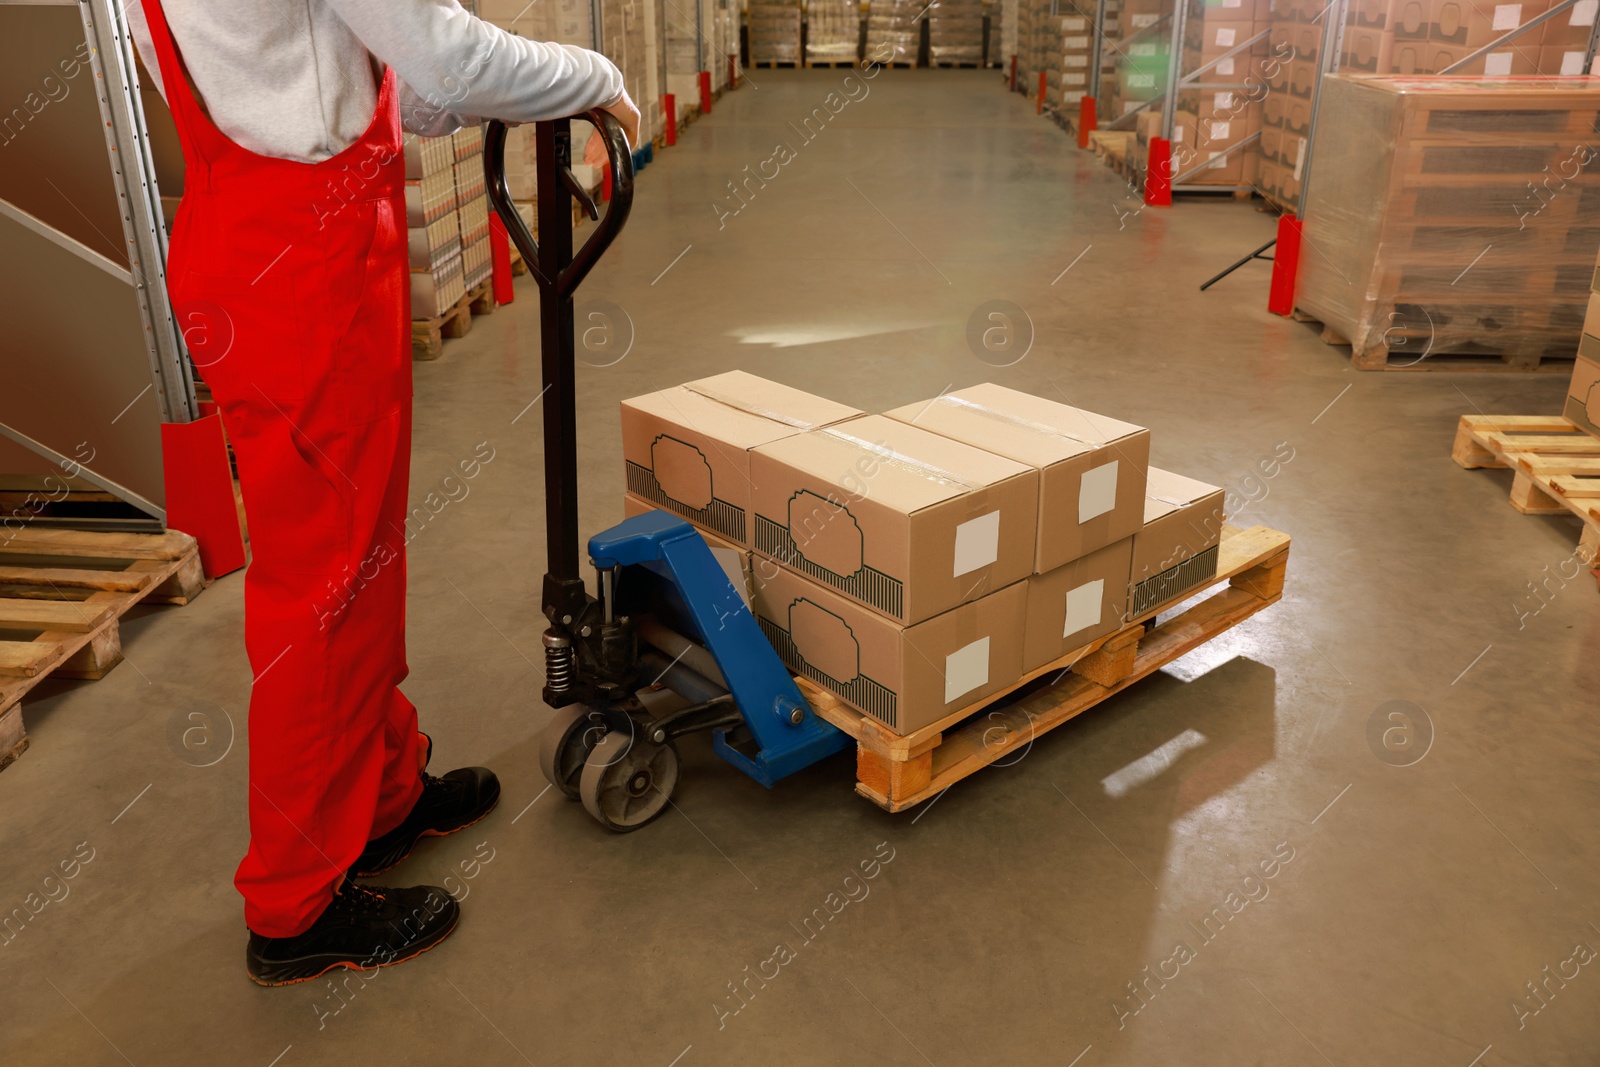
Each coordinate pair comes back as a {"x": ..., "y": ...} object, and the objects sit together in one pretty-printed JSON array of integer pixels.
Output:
[
  {"x": 897, "y": 772},
  {"x": 62, "y": 594},
  {"x": 427, "y": 335},
  {"x": 1557, "y": 360},
  {"x": 774, "y": 64},
  {"x": 1556, "y": 466},
  {"x": 833, "y": 64}
]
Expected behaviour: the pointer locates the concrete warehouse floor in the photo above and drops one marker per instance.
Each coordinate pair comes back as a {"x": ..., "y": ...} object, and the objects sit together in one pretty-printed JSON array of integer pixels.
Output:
[{"x": 1407, "y": 906}]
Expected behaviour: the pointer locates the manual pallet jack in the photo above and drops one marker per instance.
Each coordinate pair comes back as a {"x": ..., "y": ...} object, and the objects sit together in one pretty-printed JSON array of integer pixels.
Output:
[{"x": 665, "y": 646}]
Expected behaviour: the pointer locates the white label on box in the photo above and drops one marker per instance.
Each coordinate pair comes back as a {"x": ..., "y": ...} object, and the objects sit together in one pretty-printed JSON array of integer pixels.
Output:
[
  {"x": 1223, "y": 101},
  {"x": 1147, "y": 48},
  {"x": 1097, "y": 493},
  {"x": 1507, "y": 16},
  {"x": 1226, "y": 36},
  {"x": 1571, "y": 64},
  {"x": 1075, "y": 24},
  {"x": 1232, "y": 3},
  {"x": 1497, "y": 64},
  {"x": 977, "y": 543},
  {"x": 1141, "y": 81},
  {"x": 966, "y": 669},
  {"x": 1139, "y": 21},
  {"x": 1583, "y": 13},
  {"x": 1224, "y": 66},
  {"x": 1220, "y": 130},
  {"x": 1074, "y": 42},
  {"x": 1217, "y": 162},
  {"x": 1083, "y": 606}
]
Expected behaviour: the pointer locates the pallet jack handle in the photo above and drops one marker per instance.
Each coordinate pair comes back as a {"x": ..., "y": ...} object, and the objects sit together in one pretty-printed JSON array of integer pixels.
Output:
[{"x": 559, "y": 270}]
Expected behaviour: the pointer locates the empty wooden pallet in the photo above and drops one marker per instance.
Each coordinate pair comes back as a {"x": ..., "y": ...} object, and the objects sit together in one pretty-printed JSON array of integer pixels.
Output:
[
  {"x": 1556, "y": 466},
  {"x": 897, "y": 772},
  {"x": 62, "y": 594}
]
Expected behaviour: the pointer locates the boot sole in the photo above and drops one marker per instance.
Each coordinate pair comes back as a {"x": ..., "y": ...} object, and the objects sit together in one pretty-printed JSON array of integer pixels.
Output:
[
  {"x": 373, "y": 872},
  {"x": 327, "y": 965}
]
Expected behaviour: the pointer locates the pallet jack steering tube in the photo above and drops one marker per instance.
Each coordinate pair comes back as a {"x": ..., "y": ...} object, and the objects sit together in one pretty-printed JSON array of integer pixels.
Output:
[{"x": 559, "y": 270}]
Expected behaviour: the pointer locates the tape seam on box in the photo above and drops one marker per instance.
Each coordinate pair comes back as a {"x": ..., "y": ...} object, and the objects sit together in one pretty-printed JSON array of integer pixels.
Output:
[
  {"x": 901, "y": 461},
  {"x": 750, "y": 409}
]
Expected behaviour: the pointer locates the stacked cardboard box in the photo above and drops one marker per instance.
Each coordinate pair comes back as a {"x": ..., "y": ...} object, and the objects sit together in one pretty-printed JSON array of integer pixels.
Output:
[
  {"x": 1078, "y": 31},
  {"x": 1583, "y": 391},
  {"x": 894, "y": 30},
  {"x": 955, "y": 32},
  {"x": 1141, "y": 62},
  {"x": 1453, "y": 215},
  {"x": 1221, "y": 116},
  {"x": 916, "y": 562},
  {"x": 434, "y": 237},
  {"x": 473, "y": 201},
  {"x": 774, "y": 31},
  {"x": 833, "y": 31},
  {"x": 1289, "y": 71}
]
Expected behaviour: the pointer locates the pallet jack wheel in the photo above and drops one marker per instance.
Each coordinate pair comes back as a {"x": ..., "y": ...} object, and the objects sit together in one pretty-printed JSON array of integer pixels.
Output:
[
  {"x": 565, "y": 745},
  {"x": 627, "y": 781}
]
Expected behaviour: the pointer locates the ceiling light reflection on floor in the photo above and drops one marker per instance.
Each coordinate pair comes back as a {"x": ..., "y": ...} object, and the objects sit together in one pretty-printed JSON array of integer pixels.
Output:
[
  {"x": 1152, "y": 764},
  {"x": 787, "y": 336}
]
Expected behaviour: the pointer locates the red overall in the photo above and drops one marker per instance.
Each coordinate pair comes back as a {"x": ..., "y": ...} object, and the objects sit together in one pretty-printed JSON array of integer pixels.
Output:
[{"x": 289, "y": 281}]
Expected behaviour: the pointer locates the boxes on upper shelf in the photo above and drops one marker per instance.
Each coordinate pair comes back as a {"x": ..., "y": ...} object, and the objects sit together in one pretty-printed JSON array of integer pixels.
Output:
[
  {"x": 904, "y": 676},
  {"x": 1175, "y": 551},
  {"x": 903, "y": 520},
  {"x": 1076, "y": 603},
  {"x": 687, "y": 448},
  {"x": 1092, "y": 468}
]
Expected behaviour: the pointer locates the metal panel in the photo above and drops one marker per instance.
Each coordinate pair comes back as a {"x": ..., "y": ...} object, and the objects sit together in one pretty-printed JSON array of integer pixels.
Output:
[{"x": 76, "y": 378}]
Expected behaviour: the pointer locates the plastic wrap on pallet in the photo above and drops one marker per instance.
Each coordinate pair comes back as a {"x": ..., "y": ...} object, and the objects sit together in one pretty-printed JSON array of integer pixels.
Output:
[
  {"x": 774, "y": 32},
  {"x": 833, "y": 31},
  {"x": 1451, "y": 215},
  {"x": 894, "y": 33},
  {"x": 955, "y": 31}
]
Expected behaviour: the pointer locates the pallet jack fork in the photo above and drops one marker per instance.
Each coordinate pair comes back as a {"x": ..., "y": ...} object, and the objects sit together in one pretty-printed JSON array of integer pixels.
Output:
[{"x": 665, "y": 646}]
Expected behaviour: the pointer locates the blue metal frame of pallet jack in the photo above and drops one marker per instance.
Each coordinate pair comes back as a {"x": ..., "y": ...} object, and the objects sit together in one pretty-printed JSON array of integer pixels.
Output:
[{"x": 764, "y": 691}]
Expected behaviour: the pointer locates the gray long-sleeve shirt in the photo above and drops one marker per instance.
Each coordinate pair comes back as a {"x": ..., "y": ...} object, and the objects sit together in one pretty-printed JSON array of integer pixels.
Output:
[{"x": 298, "y": 79}]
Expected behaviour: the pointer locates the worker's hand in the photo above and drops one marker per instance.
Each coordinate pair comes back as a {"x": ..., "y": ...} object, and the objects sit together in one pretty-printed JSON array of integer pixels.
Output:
[{"x": 627, "y": 114}]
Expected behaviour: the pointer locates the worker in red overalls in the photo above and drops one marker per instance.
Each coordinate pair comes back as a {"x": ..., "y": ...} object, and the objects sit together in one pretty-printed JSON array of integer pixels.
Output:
[{"x": 289, "y": 277}]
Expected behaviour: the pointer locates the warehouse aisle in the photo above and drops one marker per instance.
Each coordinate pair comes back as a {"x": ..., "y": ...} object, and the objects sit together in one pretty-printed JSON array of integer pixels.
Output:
[{"x": 1223, "y": 865}]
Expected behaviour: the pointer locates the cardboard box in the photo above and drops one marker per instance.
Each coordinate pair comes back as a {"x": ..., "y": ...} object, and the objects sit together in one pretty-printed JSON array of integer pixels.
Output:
[
  {"x": 1370, "y": 51},
  {"x": 1412, "y": 19},
  {"x": 687, "y": 449},
  {"x": 1472, "y": 24},
  {"x": 1511, "y": 62},
  {"x": 1076, "y": 603},
  {"x": 1563, "y": 61},
  {"x": 1583, "y": 392},
  {"x": 1569, "y": 29},
  {"x": 1175, "y": 551},
  {"x": 899, "y": 518},
  {"x": 904, "y": 676},
  {"x": 1091, "y": 480},
  {"x": 1367, "y": 14}
]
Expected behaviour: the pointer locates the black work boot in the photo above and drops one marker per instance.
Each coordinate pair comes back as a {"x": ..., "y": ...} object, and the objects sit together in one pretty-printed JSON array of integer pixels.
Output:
[
  {"x": 362, "y": 928},
  {"x": 447, "y": 804}
]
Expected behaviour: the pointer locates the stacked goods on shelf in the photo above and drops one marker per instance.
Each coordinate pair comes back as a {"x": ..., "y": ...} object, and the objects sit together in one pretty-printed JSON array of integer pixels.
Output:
[
  {"x": 1290, "y": 69},
  {"x": 1426, "y": 36},
  {"x": 915, "y": 563},
  {"x": 434, "y": 237},
  {"x": 1141, "y": 64},
  {"x": 684, "y": 43},
  {"x": 473, "y": 205},
  {"x": 1453, "y": 215},
  {"x": 833, "y": 31},
  {"x": 999, "y": 30},
  {"x": 625, "y": 40},
  {"x": 955, "y": 32},
  {"x": 894, "y": 32},
  {"x": 1222, "y": 116},
  {"x": 774, "y": 32},
  {"x": 1078, "y": 31},
  {"x": 725, "y": 36}
]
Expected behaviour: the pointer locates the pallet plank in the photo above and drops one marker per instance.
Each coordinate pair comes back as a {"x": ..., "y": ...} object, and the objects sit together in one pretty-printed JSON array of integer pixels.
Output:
[
  {"x": 65, "y": 578},
  {"x": 1555, "y": 464},
  {"x": 65, "y": 615},
  {"x": 171, "y": 545}
]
